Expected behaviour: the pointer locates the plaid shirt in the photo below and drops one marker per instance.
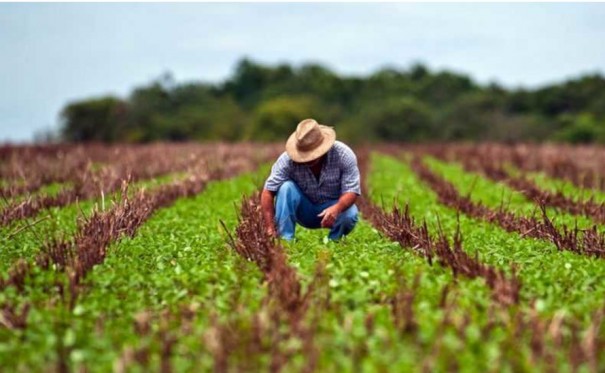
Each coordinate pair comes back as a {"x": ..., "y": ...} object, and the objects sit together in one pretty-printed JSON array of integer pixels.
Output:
[{"x": 339, "y": 174}]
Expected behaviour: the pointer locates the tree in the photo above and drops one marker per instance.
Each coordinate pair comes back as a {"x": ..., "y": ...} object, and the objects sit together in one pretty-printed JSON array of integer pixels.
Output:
[
  {"x": 211, "y": 119},
  {"x": 276, "y": 119},
  {"x": 248, "y": 82},
  {"x": 467, "y": 117},
  {"x": 261, "y": 102},
  {"x": 147, "y": 103},
  {"x": 100, "y": 119},
  {"x": 401, "y": 119},
  {"x": 580, "y": 129}
]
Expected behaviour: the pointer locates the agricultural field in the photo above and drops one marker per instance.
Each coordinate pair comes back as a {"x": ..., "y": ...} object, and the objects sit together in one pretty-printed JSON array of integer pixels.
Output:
[{"x": 472, "y": 258}]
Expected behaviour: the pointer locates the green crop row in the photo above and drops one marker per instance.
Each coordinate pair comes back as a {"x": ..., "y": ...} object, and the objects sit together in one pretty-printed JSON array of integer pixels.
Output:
[
  {"x": 557, "y": 280},
  {"x": 180, "y": 257},
  {"x": 554, "y": 283},
  {"x": 363, "y": 281},
  {"x": 365, "y": 273},
  {"x": 45, "y": 190},
  {"x": 566, "y": 187},
  {"x": 23, "y": 238},
  {"x": 496, "y": 194},
  {"x": 177, "y": 256}
]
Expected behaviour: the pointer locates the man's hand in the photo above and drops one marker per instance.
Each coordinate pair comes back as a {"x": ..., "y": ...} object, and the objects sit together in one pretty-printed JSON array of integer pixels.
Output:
[
  {"x": 271, "y": 231},
  {"x": 329, "y": 216},
  {"x": 266, "y": 203}
]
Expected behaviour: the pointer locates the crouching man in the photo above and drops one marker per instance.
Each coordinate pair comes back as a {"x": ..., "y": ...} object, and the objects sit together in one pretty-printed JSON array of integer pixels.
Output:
[{"x": 315, "y": 183}]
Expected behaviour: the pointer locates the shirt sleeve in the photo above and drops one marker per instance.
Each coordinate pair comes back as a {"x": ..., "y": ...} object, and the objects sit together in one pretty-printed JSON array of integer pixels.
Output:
[
  {"x": 350, "y": 173},
  {"x": 280, "y": 172}
]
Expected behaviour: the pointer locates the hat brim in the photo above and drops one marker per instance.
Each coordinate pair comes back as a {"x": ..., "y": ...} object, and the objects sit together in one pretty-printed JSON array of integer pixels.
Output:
[{"x": 329, "y": 137}]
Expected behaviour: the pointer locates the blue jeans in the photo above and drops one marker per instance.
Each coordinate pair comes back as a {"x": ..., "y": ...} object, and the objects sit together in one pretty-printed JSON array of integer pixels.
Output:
[{"x": 292, "y": 206}]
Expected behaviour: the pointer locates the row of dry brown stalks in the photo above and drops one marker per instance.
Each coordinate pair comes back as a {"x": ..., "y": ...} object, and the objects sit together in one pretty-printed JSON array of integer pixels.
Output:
[
  {"x": 289, "y": 313},
  {"x": 583, "y": 165},
  {"x": 286, "y": 301},
  {"x": 582, "y": 241},
  {"x": 400, "y": 227},
  {"x": 283, "y": 326},
  {"x": 484, "y": 161},
  {"x": 264, "y": 339},
  {"x": 27, "y": 168},
  {"x": 77, "y": 255},
  {"x": 37, "y": 165},
  {"x": 547, "y": 337},
  {"x": 238, "y": 346},
  {"x": 119, "y": 163}
]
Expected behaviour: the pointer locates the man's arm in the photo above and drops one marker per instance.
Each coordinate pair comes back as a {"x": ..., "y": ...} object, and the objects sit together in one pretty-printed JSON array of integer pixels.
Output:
[
  {"x": 331, "y": 213},
  {"x": 268, "y": 210},
  {"x": 279, "y": 174},
  {"x": 350, "y": 187}
]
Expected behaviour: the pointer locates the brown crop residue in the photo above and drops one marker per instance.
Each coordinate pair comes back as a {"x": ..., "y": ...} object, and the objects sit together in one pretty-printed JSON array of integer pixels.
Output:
[
  {"x": 99, "y": 170},
  {"x": 487, "y": 160},
  {"x": 76, "y": 256},
  {"x": 586, "y": 242},
  {"x": 286, "y": 302},
  {"x": 399, "y": 226}
]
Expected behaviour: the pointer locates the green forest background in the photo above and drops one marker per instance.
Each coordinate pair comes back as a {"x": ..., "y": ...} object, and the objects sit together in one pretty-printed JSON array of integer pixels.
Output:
[{"x": 264, "y": 103}]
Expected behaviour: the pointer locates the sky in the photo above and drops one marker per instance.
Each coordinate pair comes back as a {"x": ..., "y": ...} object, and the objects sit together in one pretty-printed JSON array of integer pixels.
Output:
[{"x": 53, "y": 54}]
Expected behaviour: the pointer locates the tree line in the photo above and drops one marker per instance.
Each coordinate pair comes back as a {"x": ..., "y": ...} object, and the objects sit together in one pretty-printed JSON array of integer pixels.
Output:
[{"x": 264, "y": 103}]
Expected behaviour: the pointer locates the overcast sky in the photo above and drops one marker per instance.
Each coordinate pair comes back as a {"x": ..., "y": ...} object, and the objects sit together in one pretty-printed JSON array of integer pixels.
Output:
[{"x": 53, "y": 53}]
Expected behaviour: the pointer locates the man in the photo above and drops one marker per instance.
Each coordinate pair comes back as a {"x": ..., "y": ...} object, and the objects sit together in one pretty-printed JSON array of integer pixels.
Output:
[{"x": 316, "y": 181}]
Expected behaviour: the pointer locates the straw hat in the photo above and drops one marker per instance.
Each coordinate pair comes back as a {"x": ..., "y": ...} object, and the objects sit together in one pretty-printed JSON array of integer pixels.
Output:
[{"x": 310, "y": 141}]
